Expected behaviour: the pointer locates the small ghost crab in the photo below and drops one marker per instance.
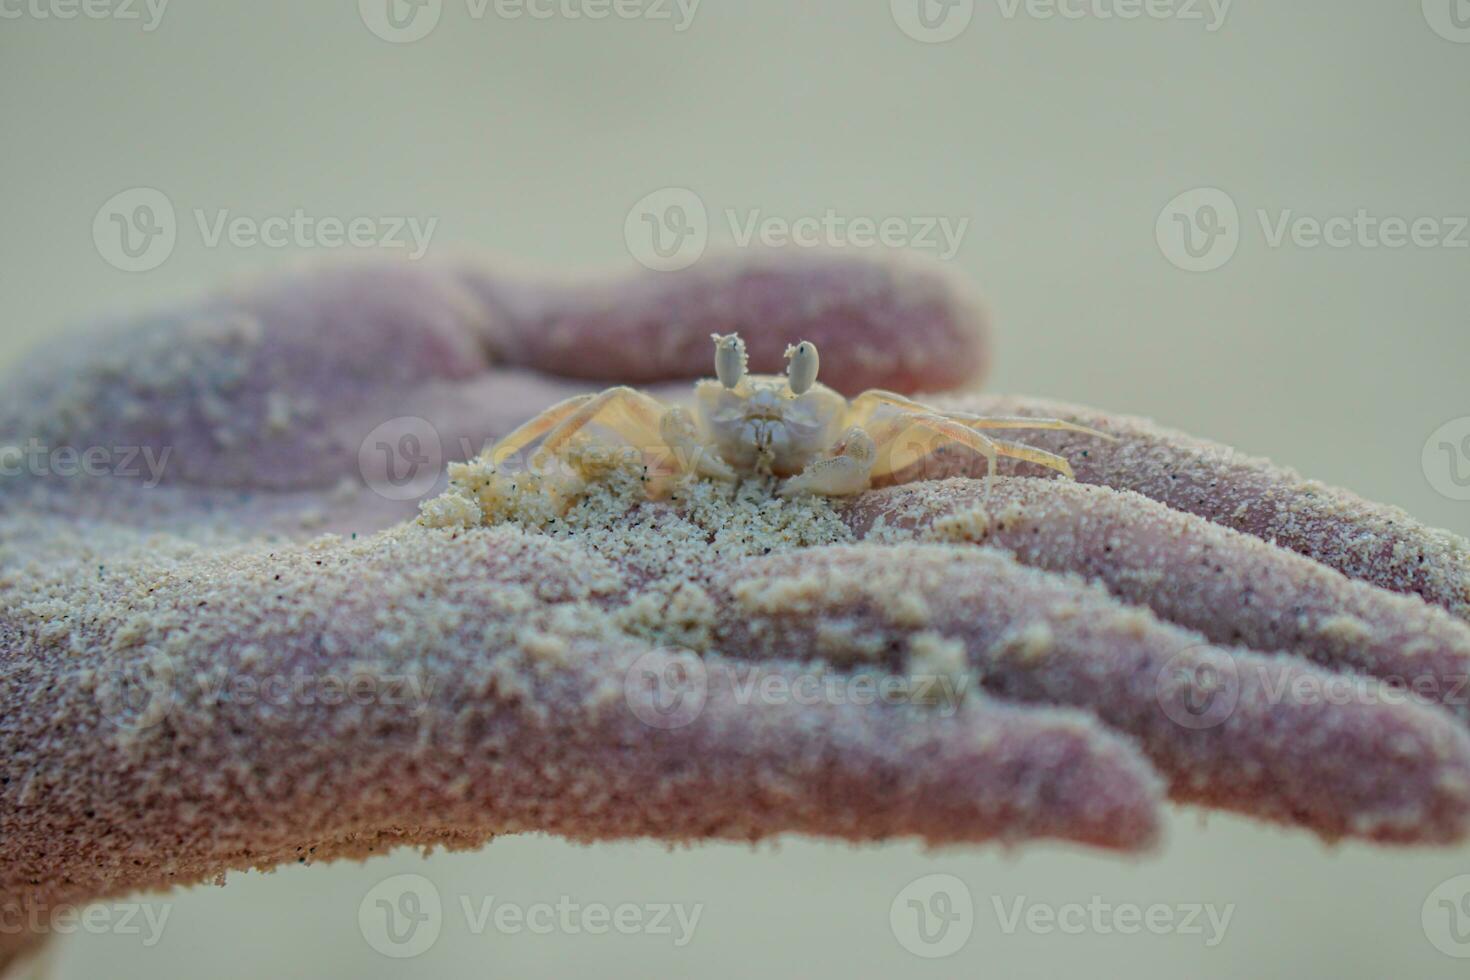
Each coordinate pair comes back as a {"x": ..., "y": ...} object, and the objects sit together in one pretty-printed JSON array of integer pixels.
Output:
[{"x": 744, "y": 425}]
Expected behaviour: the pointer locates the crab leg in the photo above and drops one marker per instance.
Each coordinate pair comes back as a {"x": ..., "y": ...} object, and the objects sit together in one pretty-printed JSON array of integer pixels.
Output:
[
  {"x": 863, "y": 406},
  {"x": 536, "y": 428},
  {"x": 630, "y": 413},
  {"x": 889, "y": 434},
  {"x": 1021, "y": 422},
  {"x": 640, "y": 420},
  {"x": 1051, "y": 461},
  {"x": 908, "y": 440}
]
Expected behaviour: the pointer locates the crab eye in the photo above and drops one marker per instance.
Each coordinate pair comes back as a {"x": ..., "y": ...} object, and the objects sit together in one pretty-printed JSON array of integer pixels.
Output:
[
  {"x": 801, "y": 371},
  {"x": 729, "y": 358}
]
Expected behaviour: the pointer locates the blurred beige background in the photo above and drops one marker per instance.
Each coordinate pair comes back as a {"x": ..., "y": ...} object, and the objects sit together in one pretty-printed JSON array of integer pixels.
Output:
[{"x": 1064, "y": 141}]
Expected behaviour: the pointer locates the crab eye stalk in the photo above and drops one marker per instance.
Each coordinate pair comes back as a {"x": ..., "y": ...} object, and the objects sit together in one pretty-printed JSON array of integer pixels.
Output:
[
  {"x": 730, "y": 358},
  {"x": 801, "y": 367}
]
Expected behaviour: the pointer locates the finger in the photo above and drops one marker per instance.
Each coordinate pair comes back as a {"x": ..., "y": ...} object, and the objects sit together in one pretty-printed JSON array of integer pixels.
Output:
[
  {"x": 25, "y": 956},
  {"x": 1231, "y": 587},
  {"x": 786, "y": 747},
  {"x": 1359, "y": 538},
  {"x": 1227, "y": 728},
  {"x": 221, "y": 710},
  {"x": 887, "y": 322}
]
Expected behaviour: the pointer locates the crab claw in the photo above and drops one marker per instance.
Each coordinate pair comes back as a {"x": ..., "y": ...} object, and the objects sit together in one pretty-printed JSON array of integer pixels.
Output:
[
  {"x": 679, "y": 432},
  {"x": 841, "y": 474}
]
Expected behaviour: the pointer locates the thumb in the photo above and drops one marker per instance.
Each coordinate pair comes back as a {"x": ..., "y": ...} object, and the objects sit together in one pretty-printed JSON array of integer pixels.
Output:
[{"x": 891, "y": 322}]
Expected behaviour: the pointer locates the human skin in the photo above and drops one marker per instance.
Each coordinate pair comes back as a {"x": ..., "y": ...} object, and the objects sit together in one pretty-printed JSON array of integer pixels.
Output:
[{"x": 262, "y": 395}]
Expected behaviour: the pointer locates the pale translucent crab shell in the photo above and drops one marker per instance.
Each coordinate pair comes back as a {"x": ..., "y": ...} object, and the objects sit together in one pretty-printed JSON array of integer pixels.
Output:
[{"x": 761, "y": 423}]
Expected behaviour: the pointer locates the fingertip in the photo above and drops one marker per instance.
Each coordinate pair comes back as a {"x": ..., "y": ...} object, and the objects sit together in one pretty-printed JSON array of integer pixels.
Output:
[{"x": 1075, "y": 779}]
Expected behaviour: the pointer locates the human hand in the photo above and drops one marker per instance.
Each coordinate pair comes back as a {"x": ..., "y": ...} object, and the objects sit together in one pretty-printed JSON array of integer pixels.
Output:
[{"x": 504, "y": 687}]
